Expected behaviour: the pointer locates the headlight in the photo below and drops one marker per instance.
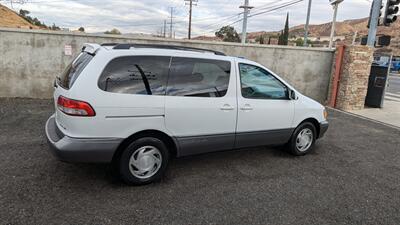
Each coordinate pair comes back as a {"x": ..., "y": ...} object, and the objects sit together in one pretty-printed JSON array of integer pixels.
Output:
[{"x": 325, "y": 114}]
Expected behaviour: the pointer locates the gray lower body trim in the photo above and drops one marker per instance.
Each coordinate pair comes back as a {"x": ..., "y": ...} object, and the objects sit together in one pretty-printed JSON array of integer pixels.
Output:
[
  {"x": 211, "y": 143},
  {"x": 68, "y": 149},
  {"x": 202, "y": 144},
  {"x": 323, "y": 127},
  {"x": 260, "y": 138}
]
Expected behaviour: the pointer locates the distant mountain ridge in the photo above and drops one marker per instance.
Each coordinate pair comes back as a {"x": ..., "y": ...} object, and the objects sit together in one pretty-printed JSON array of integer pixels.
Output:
[{"x": 346, "y": 28}]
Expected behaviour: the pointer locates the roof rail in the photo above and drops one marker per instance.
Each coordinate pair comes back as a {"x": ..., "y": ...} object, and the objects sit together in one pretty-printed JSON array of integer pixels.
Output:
[
  {"x": 109, "y": 44},
  {"x": 174, "y": 47}
]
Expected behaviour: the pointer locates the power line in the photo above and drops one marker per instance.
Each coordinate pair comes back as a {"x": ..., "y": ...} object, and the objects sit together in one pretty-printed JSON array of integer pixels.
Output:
[
  {"x": 221, "y": 21},
  {"x": 272, "y": 9},
  {"x": 269, "y": 5},
  {"x": 276, "y": 8}
]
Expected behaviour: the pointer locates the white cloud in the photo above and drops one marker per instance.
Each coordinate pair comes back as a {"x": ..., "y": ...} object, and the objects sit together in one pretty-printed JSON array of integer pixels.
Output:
[{"x": 147, "y": 16}]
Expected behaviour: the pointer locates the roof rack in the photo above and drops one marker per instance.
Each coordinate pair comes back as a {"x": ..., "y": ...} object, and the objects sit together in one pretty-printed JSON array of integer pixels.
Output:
[
  {"x": 109, "y": 44},
  {"x": 174, "y": 47}
]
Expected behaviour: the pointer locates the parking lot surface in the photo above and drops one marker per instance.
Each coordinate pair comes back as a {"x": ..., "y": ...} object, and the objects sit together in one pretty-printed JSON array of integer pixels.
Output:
[{"x": 352, "y": 177}]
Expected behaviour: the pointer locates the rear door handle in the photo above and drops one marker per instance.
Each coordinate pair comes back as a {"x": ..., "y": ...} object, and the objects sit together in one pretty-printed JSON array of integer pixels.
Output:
[
  {"x": 227, "y": 107},
  {"x": 246, "y": 107}
]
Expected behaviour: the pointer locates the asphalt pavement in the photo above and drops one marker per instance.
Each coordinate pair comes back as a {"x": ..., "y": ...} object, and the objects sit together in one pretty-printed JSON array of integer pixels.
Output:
[
  {"x": 352, "y": 177},
  {"x": 393, "y": 88}
]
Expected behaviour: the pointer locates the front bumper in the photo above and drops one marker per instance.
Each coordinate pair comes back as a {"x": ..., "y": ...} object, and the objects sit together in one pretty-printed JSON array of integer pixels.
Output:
[
  {"x": 88, "y": 150},
  {"x": 323, "y": 127}
]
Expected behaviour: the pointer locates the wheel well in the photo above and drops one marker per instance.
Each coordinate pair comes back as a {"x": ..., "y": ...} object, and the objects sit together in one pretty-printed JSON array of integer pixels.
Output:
[
  {"x": 168, "y": 141},
  {"x": 314, "y": 122}
]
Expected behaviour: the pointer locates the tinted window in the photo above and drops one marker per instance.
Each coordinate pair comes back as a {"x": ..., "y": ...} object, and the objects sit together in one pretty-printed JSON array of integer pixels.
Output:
[
  {"x": 260, "y": 84},
  {"x": 74, "y": 69},
  {"x": 198, "y": 77},
  {"x": 144, "y": 75}
]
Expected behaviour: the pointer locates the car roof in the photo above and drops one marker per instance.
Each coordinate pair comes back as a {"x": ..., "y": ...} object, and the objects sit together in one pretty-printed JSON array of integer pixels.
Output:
[{"x": 157, "y": 49}]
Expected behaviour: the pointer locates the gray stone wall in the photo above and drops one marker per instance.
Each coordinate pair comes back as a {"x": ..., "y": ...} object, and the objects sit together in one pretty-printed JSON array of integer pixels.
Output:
[{"x": 30, "y": 59}]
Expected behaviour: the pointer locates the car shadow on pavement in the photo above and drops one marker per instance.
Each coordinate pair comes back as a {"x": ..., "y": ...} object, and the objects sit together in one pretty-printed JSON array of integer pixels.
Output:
[{"x": 81, "y": 173}]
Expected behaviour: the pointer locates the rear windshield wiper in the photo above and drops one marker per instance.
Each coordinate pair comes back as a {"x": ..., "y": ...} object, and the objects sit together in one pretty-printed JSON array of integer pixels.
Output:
[{"x": 57, "y": 81}]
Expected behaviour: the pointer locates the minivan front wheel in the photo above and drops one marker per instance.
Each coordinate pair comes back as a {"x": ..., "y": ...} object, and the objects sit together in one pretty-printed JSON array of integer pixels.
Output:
[
  {"x": 143, "y": 161},
  {"x": 303, "y": 139}
]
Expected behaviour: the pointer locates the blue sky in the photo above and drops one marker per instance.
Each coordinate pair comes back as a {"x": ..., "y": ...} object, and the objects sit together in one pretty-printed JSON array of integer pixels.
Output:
[{"x": 134, "y": 16}]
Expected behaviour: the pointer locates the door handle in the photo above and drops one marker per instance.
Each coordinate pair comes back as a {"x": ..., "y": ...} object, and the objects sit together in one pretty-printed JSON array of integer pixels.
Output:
[
  {"x": 246, "y": 107},
  {"x": 227, "y": 107}
]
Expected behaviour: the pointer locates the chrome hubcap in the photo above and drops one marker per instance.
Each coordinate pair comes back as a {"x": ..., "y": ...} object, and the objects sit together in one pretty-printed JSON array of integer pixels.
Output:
[
  {"x": 145, "y": 162},
  {"x": 304, "y": 139}
]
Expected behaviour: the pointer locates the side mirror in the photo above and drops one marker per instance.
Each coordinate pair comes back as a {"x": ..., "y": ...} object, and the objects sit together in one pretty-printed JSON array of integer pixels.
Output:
[{"x": 292, "y": 95}]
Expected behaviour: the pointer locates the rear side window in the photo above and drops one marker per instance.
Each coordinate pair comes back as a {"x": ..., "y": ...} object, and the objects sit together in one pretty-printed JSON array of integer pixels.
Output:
[
  {"x": 193, "y": 77},
  {"x": 74, "y": 69},
  {"x": 143, "y": 75}
]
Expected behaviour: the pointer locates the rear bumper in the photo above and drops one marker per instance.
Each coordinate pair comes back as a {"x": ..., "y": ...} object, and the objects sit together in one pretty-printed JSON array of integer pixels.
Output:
[
  {"x": 88, "y": 150},
  {"x": 323, "y": 127}
]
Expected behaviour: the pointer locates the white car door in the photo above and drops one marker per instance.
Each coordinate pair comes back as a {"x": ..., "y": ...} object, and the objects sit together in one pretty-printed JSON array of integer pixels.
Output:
[
  {"x": 201, "y": 106},
  {"x": 265, "y": 111}
]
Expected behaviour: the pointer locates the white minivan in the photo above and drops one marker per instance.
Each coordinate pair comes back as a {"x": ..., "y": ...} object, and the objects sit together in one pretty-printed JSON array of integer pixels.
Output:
[{"x": 137, "y": 105}]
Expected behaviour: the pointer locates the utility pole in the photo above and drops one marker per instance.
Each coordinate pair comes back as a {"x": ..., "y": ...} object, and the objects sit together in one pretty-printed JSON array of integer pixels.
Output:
[
  {"x": 190, "y": 15},
  {"x": 307, "y": 23},
  {"x": 335, "y": 4},
  {"x": 171, "y": 23},
  {"x": 245, "y": 8},
  {"x": 165, "y": 28},
  {"x": 373, "y": 26}
]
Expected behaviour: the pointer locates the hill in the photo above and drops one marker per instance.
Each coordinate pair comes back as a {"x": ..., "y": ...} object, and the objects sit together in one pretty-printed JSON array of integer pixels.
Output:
[
  {"x": 345, "y": 29},
  {"x": 8, "y": 18}
]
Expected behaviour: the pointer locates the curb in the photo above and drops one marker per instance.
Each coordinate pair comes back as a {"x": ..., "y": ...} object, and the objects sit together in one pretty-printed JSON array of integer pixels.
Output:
[{"x": 365, "y": 118}]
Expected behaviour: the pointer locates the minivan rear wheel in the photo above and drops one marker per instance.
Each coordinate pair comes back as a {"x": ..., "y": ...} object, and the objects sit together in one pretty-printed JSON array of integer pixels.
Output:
[
  {"x": 143, "y": 161},
  {"x": 303, "y": 139}
]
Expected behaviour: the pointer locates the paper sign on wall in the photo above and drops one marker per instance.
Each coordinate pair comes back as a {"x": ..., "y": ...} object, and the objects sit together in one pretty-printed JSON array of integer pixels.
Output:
[{"x": 68, "y": 50}]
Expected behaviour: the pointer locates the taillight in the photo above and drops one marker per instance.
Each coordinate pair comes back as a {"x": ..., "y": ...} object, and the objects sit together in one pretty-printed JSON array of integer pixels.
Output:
[{"x": 74, "y": 107}]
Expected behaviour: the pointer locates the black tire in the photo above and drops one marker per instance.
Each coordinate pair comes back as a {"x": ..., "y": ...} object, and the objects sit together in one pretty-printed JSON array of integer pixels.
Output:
[
  {"x": 125, "y": 167},
  {"x": 293, "y": 147}
]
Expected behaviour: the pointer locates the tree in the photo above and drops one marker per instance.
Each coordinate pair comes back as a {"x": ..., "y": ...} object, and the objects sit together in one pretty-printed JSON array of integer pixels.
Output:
[
  {"x": 81, "y": 29},
  {"x": 269, "y": 40},
  {"x": 35, "y": 21},
  {"x": 54, "y": 27},
  {"x": 284, "y": 36},
  {"x": 113, "y": 31},
  {"x": 280, "y": 39},
  {"x": 228, "y": 33},
  {"x": 300, "y": 42},
  {"x": 23, "y": 13},
  {"x": 261, "y": 39},
  {"x": 286, "y": 31}
]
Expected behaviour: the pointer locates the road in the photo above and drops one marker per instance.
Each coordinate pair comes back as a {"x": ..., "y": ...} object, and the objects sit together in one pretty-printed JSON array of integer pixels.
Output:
[
  {"x": 393, "y": 89},
  {"x": 352, "y": 177}
]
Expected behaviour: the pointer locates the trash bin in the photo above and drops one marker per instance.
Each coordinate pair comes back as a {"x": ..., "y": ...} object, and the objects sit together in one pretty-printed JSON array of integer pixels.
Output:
[{"x": 376, "y": 86}]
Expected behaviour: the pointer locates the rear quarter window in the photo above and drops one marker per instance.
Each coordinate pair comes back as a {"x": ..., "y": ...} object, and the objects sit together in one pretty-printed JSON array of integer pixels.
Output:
[
  {"x": 139, "y": 75},
  {"x": 74, "y": 69}
]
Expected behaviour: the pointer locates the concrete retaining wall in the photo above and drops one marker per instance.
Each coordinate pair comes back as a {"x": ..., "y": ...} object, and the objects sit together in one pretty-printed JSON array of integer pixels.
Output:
[{"x": 30, "y": 59}]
